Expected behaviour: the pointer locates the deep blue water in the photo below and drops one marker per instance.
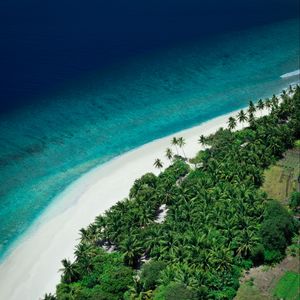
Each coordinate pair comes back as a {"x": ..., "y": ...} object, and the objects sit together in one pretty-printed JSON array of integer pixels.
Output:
[
  {"x": 45, "y": 45},
  {"x": 84, "y": 82}
]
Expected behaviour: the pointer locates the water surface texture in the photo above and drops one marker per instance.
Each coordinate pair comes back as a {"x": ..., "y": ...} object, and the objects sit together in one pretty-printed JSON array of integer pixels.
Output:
[{"x": 48, "y": 142}]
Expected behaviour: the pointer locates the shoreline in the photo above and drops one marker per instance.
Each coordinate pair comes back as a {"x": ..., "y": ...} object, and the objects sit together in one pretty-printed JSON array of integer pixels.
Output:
[{"x": 54, "y": 235}]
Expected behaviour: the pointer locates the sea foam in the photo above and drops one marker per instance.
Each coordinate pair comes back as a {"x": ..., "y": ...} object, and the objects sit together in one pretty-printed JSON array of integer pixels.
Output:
[{"x": 291, "y": 74}]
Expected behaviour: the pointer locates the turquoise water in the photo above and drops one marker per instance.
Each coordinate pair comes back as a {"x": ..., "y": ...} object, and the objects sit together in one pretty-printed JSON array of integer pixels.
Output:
[{"x": 46, "y": 146}]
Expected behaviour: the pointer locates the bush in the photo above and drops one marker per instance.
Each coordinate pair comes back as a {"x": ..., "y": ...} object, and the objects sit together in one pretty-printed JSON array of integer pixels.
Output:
[
  {"x": 257, "y": 255},
  {"x": 71, "y": 291},
  {"x": 272, "y": 256},
  {"x": 294, "y": 202},
  {"x": 175, "y": 291},
  {"x": 150, "y": 274},
  {"x": 297, "y": 144},
  {"x": 293, "y": 250},
  {"x": 96, "y": 293},
  {"x": 201, "y": 157},
  {"x": 226, "y": 294},
  {"x": 246, "y": 264},
  {"x": 116, "y": 280},
  {"x": 277, "y": 228},
  {"x": 175, "y": 171},
  {"x": 273, "y": 236},
  {"x": 146, "y": 181}
]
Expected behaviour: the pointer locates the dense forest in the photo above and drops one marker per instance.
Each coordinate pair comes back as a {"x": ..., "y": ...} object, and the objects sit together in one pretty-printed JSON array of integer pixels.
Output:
[{"x": 217, "y": 223}]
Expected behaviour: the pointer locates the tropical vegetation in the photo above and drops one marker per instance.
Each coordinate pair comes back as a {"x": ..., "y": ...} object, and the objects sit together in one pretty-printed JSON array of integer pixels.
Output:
[{"x": 219, "y": 222}]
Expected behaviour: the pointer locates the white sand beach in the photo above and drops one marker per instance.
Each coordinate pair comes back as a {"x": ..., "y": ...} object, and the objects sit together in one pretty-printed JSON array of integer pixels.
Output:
[{"x": 31, "y": 269}]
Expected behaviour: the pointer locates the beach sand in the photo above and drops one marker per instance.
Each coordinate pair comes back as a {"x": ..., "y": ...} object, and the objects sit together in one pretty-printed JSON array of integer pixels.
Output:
[{"x": 31, "y": 268}]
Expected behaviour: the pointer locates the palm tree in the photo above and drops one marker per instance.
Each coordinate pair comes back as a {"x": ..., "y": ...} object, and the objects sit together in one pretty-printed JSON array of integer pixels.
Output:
[
  {"x": 100, "y": 222},
  {"x": 169, "y": 153},
  {"x": 268, "y": 103},
  {"x": 202, "y": 140},
  {"x": 158, "y": 163},
  {"x": 275, "y": 101},
  {"x": 85, "y": 264},
  {"x": 251, "y": 118},
  {"x": 275, "y": 145},
  {"x": 49, "y": 297},
  {"x": 204, "y": 260},
  {"x": 131, "y": 250},
  {"x": 242, "y": 117},
  {"x": 214, "y": 216},
  {"x": 251, "y": 109},
  {"x": 183, "y": 275},
  {"x": 84, "y": 235},
  {"x": 174, "y": 142},
  {"x": 148, "y": 295},
  {"x": 247, "y": 240},
  {"x": 69, "y": 271},
  {"x": 136, "y": 289},
  {"x": 231, "y": 123},
  {"x": 145, "y": 217},
  {"x": 260, "y": 104},
  {"x": 167, "y": 275},
  {"x": 181, "y": 143},
  {"x": 221, "y": 259}
]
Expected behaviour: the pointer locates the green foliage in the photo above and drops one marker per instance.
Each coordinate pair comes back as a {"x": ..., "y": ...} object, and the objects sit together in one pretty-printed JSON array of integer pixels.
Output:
[
  {"x": 288, "y": 286},
  {"x": 277, "y": 229},
  {"x": 294, "y": 202},
  {"x": 272, "y": 256},
  {"x": 116, "y": 280},
  {"x": 257, "y": 254},
  {"x": 218, "y": 221},
  {"x": 175, "y": 291},
  {"x": 247, "y": 263},
  {"x": 49, "y": 297},
  {"x": 178, "y": 169},
  {"x": 150, "y": 274},
  {"x": 148, "y": 180},
  {"x": 296, "y": 112},
  {"x": 109, "y": 279},
  {"x": 227, "y": 293},
  {"x": 297, "y": 144},
  {"x": 200, "y": 158},
  {"x": 294, "y": 248}
]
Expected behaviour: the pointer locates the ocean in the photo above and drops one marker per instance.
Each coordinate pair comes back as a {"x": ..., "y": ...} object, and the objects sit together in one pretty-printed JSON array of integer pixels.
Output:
[{"x": 75, "y": 96}]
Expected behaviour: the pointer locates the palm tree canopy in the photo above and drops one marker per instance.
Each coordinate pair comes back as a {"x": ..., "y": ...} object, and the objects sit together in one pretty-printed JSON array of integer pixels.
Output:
[
  {"x": 202, "y": 139},
  {"x": 49, "y": 297},
  {"x": 231, "y": 123},
  {"x": 260, "y": 104},
  {"x": 169, "y": 153},
  {"x": 251, "y": 108},
  {"x": 242, "y": 116},
  {"x": 69, "y": 270},
  {"x": 181, "y": 141},
  {"x": 174, "y": 141},
  {"x": 158, "y": 163}
]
